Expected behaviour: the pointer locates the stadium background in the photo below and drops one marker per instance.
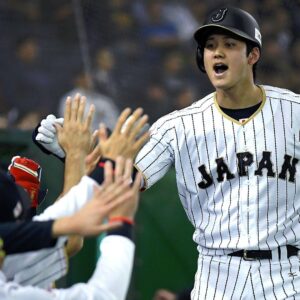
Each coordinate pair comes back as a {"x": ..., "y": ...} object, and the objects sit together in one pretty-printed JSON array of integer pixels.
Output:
[{"x": 129, "y": 53}]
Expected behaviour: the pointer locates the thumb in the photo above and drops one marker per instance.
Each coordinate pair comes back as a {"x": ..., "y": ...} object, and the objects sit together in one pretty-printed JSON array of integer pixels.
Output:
[
  {"x": 58, "y": 127},
  {"x": 102, "y": 132}
]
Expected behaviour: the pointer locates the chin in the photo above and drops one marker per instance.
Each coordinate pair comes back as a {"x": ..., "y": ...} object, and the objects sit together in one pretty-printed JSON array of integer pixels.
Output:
[{"x": 221, "y": 85}]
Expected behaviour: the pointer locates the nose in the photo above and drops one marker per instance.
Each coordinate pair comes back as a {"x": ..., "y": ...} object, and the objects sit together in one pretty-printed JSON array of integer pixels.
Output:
[{"x": 218, "y": 52}]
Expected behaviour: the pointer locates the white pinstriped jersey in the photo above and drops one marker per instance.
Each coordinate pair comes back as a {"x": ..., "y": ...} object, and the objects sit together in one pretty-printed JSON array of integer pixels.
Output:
[{"x": 238, "y": 183}]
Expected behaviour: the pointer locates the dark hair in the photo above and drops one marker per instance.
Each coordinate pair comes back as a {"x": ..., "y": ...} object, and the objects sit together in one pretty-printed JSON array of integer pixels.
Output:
[{"x": 250, "y": 45}]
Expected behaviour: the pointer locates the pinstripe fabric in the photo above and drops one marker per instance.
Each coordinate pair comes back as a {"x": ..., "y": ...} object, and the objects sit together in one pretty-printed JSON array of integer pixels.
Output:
[
  {"x": 37, "y": 268},
  {"x": 238, "y": 183},
  {"x": 225, "y": 277}
]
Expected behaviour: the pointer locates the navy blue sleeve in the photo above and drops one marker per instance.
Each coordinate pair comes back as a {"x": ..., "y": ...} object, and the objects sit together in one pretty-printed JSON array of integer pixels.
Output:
[
  {"x": 26, "y": 236},
  {"x": 125, "y": 230}
]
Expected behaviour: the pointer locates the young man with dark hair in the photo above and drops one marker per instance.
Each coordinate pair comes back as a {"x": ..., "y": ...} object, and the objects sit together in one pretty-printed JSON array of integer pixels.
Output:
[{"x": 236, "y": 154}]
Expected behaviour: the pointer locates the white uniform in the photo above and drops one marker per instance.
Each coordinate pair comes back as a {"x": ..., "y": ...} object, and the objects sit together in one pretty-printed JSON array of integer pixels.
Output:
[
  {"x": 110, "y": 280},
  {"x": 238, "y": 182}
]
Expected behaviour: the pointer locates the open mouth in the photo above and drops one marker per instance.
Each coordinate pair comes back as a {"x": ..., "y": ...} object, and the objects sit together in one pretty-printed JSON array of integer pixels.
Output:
[{"x": 220, "y": 68}]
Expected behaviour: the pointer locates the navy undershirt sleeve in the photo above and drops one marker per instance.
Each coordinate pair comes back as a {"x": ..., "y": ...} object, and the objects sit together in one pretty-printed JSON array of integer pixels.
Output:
[{"x": 26, "y": 236}]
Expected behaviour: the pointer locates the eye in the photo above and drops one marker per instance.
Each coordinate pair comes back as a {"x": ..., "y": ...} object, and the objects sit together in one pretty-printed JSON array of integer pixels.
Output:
[
  {"x": 209, "y": 45},
  {"x": 230, "y": 44}
]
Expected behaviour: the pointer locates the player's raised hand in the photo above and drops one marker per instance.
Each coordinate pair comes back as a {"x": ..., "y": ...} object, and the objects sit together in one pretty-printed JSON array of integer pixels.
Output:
[
  {"x": 117, "y": 197},
  {"x": 76, "y": 134},
  {"x": 127, "y": 138},
  {"x": 89, "y": 220},
  {"x": 47, "y": 135}
]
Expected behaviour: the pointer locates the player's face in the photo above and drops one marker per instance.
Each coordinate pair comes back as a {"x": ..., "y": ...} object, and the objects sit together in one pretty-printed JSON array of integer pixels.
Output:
[{"x": 226, "y": 62}]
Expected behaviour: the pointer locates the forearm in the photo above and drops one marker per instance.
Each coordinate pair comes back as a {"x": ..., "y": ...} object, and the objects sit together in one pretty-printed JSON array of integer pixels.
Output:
[
  {"x": 74, "y": 169},
  {"x": 70, "y": 203},
  {"x": 64, "y": 226},
  {"x": 113, "y": 271}
]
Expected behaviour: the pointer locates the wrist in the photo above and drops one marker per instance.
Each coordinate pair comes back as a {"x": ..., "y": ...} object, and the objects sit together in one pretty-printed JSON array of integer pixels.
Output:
[
  {"x": 125, "y": 230},
  {"x": 63, "y": 226},
  {"x": 123, "y": 219},
  {"x": 98, "y": 173},
  {"x": 75, "y": 154}
]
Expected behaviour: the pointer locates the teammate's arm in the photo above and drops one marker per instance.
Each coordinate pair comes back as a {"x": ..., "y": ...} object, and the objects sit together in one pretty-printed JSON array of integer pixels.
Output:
[
  {"x": 112, "y": 274},
  {"x": 75, "y": 138}
]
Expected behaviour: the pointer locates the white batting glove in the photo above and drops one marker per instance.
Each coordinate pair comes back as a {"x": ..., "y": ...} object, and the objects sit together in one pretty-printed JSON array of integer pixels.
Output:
[{"x": 47, "y": 135}]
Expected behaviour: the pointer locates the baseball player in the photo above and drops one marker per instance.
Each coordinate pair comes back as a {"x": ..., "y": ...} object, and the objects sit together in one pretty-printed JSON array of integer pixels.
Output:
[{"x": 236, "y": 154}]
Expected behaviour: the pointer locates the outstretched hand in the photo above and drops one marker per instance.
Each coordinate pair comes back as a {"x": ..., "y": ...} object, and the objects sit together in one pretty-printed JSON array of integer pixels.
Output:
[
  {"x": 117, "y": 196},
  {"x": 128, "y": 137},
  {"x": 75, "y": 135}
]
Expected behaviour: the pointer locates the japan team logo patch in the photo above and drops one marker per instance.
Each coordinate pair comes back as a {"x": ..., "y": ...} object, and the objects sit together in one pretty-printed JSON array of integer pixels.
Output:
[
  {"x": 258, "y": 35},
  {"x": 219, "y": 15}
]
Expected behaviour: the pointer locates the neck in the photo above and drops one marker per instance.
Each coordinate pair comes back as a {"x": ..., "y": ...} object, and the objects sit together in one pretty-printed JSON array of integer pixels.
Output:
[{"x": 239, "y": 97}]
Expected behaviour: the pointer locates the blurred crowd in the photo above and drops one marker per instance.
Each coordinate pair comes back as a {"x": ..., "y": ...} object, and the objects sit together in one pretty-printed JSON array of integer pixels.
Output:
[{"x": 124, "y": 53}]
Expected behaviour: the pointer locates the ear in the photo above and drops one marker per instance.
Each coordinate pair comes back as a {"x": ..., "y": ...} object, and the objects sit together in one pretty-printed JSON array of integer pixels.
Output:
[{"x": 254, "y": 56}]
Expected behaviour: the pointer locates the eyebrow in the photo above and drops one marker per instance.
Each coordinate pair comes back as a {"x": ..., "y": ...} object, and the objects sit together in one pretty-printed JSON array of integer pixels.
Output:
[{"x": 211, "y": 37}]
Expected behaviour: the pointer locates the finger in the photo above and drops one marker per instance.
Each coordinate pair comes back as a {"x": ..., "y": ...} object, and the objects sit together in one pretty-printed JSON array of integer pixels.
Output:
[
  {"x": 121, "y": 120},
  {"x": 128, "y": 169},
  {"x": 51, "y": 118},
  {"x": 139, "y": 125},
  {"x": 67, "y": 113},
  {"x": 94, "y": 139},
  {"x": 97, "y": 193},
  {"x": 47, "y": 133},
  {"x": 44, "y": 139},
  {"x": 130, "y": 123},
  {"x": 96, "y": 153},
  {"x": 115, "y": 202},
  {"x": 81, "y": 108},
  {"x": 108, "y": 173},
  {"x": 141, "y": 141},
  {"x": 114, "y": 191},
  {"x": 49, "y": 125},
  {"x": 75, "y": 107},
  {"x": 59, "y": 128},
  {"x": 90, "y": 163},
  {"x": 120, "y": 163},
  {"x": 102, "y": 132},
  {"x": 59, "y": 121},
  {"x": 137, "y": 182},
  {"x": 90, "y": 116}
]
